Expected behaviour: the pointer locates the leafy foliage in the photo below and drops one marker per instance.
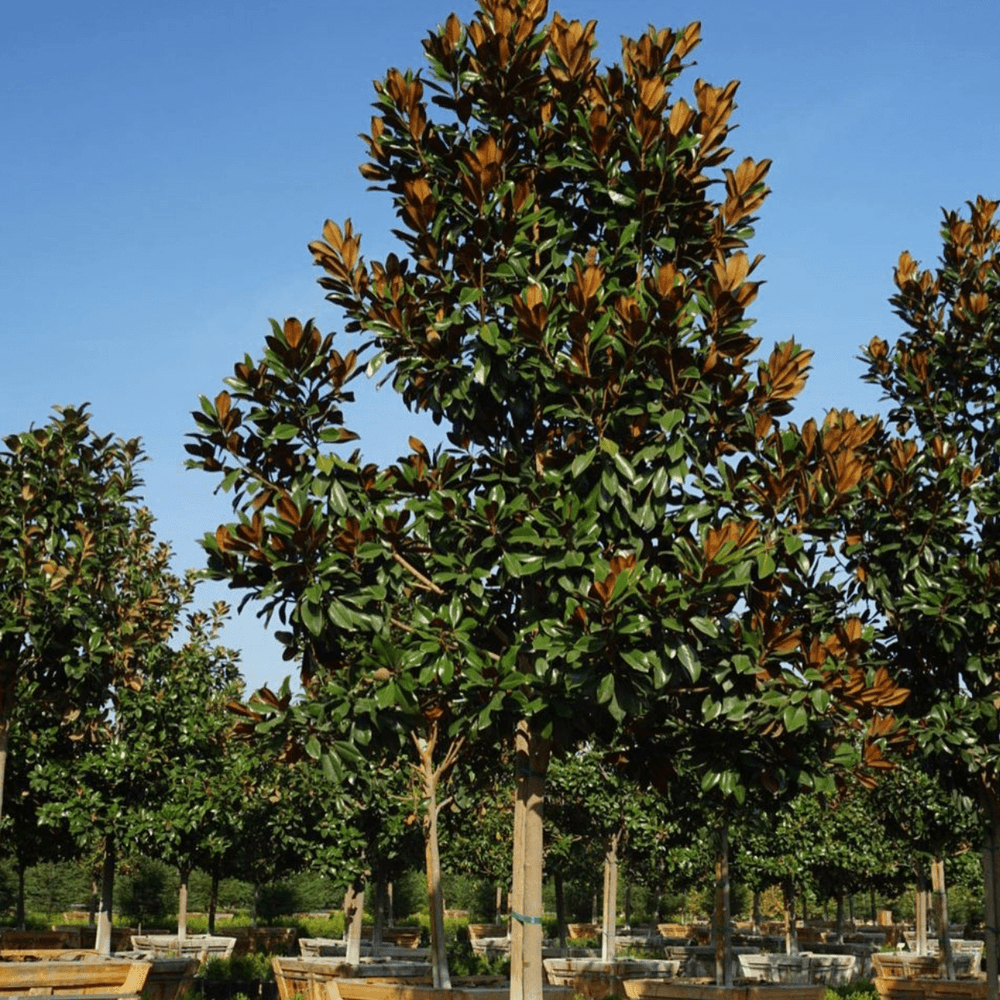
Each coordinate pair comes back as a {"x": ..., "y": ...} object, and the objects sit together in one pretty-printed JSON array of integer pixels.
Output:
[{"x": 85, "y": 587}]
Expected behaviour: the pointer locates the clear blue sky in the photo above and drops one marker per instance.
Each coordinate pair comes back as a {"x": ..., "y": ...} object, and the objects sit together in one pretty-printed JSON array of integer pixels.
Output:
[{"x": 165, "y": 164}]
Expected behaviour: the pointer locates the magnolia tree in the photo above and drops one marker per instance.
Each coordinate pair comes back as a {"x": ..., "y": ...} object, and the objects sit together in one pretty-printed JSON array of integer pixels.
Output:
[
  {"x": 923, "y": 544},
  {"x": 81, "y": 583},
  {"x": 618, "y": 531}
]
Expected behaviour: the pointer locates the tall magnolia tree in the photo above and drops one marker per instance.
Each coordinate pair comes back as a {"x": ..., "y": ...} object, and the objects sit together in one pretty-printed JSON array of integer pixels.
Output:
[
  {"x": 81, "y": 579},
  {"x": 570, "y": 303},
  {"x": 925, "y": 544}
]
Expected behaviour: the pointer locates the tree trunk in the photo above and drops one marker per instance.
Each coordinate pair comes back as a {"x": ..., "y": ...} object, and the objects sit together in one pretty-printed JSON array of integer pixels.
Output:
[
  {"x": 432, "y": 855},
  {"x": 610, "y": 914},
  {"x": 182, "y": 903},
  {"x": 354, "y": 909},
  {"x": 381, "y": 889},
  {"x": 105, "y": 906},
  {"x": 19, "y": 915},
  {"x": 560, "y": 909},
  {"x": 920, "y": 908},
  {"x": 213, "y": 897},
  {"x": 839, "y": 926},
  {"x": 722, "y": 927},
  {"x": 498, "y": 917},
  {"x": 531, "y": 760},
  {"x": 941, "y": 917},
  {"x": 8, "y": 679},
  {"x": 991, "y": 880},
  {"x": 791, "y": 932},
  {"x": 755, "y": 911},
  {"x": 627, "y": 916}
]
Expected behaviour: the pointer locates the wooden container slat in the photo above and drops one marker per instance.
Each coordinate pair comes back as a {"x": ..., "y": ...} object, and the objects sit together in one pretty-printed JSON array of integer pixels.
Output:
[{"x": 73, "y": 978}]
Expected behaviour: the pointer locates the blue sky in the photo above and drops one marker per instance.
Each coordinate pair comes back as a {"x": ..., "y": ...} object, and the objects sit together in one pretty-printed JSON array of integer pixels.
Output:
[{"x": 165, "y": 164}]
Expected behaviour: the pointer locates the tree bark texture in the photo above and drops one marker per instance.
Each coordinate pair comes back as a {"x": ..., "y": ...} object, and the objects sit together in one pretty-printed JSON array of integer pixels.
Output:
[
  {"x": 941, "y": 917},
  {"x": 791, "y": 933},
  {"x": 722, "y": 932},
  {"x": 991, "y": 880},
  {"x": 103, "y": 943},
  {"x": 608, "y": 949},
  {"x": 431, "y": 777},
  {"x": 531, "y": 761},
  {"x": 354, "y": 908},
  {"x": 182, "y": 904}
]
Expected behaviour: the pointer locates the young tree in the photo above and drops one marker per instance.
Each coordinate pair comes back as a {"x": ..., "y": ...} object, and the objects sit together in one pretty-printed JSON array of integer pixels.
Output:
[
  {"x": 80, "y": 602},
  {"x": 924, "y": 546},
  {"x": 570, "y": 304}
]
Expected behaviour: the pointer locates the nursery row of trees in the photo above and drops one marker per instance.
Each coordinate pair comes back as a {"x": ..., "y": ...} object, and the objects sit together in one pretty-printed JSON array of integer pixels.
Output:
[{"x": 622, "y": 545}]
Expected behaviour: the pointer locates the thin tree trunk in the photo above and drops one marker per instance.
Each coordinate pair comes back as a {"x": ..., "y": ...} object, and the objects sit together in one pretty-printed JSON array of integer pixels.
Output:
[
  {"x": 560, "y": 910},
  {"x": 381, "y": 887},
  {"x": 755, "y": 911},
  {"x": 391, "y": 913},
  {"x": 627, "y": 917},
  {"x": 610, "y": 913},
  {"x": 791, "y": 932},
  {"x": 498, "y": 915},
  {"x": 19, "y": 916},
  {"x": 182, "y": 904},
  {"x": 838, "y": 931},
  {"x": 104, "y": 910},
  {"x": 941, "y": 917},
  {"x": 8, "y": 679},
  {"x": 991, "y": 880},
  {"x": 531, "y": 761},
  {"x": 354, "y": 908},
  {"x": 920, "y": 907},
  {"x": 213, "y": 897},
  {"x": 723, "y": 930},
  {"x": 431, "y": 776}
]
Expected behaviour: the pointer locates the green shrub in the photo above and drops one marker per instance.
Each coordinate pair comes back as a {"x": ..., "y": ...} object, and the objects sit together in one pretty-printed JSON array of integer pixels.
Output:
[
  {"x": 238, "y": 968},
  {"x": 859, "y": 989}
]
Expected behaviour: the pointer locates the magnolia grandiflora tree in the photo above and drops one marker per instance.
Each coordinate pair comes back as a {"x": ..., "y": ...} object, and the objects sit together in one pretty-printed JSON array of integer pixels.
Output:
[
  {"x": 620, "y": 527},
  {"x": 924, "y": 546},
  {"x": 82, "y": 583}
]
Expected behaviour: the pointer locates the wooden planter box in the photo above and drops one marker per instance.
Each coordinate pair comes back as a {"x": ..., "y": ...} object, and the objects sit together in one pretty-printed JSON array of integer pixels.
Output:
[
  {"x": 401, "y": 937},
  {"x": 906, "y": 965},
  {"x": 313, "y": 978},
  {"x": 806, "y": 967},
  {"x": 98, "y": 979},
  {"x": 477, "y": 931},
  {"x": 200, "y": 946},
  {"x": 170, "y": 978},
  {"x": 579, "y": 932},
  {"x": 775, "y": 968},
  {"x": 337, "y": 948},
  {"x": 357, "y": 989},
  {"x": 931, "y": 989},
  {"x": 674, "y": 989},
  {"x": 595, "y": 979},
  {"x": 273, "y": 940}
]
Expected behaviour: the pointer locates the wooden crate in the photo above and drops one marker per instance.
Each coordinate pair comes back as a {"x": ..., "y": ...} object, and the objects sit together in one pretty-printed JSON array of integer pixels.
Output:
[
  {"x": 930, "y": 989},
  {"x": 92, "y": 979},
  {"x": 673, "y": 989}
]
